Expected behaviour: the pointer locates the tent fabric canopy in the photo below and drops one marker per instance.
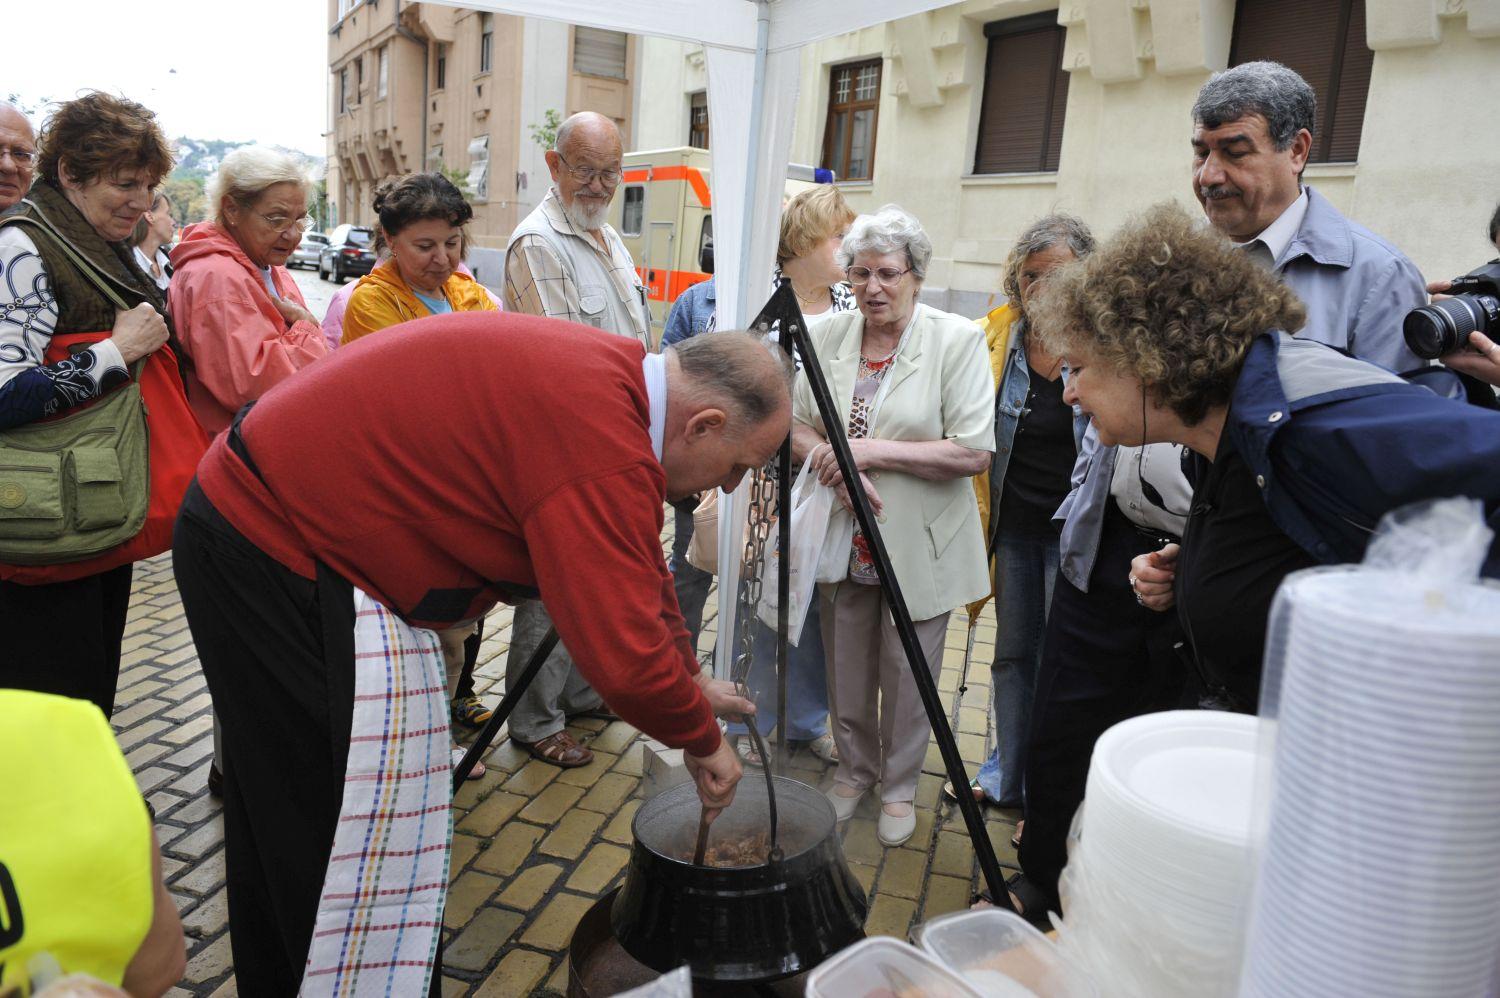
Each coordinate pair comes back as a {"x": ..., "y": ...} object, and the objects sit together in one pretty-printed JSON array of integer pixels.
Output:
[{"x": 753, "y": 55}]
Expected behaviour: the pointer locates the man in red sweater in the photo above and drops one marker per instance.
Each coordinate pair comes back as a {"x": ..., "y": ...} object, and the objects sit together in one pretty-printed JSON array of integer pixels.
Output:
[{"x": 439, "y": 468}]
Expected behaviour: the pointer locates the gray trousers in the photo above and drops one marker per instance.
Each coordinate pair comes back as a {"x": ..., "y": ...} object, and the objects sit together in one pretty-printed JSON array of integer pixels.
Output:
[
  {"x": 874, "y": 710},
  {"x": 557, "y": 691}
]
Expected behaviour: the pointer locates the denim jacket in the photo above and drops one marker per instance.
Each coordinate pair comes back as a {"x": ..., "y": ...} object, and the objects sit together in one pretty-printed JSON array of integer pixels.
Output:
[
  {"x": 1357, "y": 288},
  {"x": 1010, "y": 407},
  {"x": 691, "y": 313}
]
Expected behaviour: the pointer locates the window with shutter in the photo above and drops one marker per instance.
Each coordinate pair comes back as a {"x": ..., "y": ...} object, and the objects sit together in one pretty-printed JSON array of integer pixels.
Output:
[
  {"x": 853, "y": 113},
  {"x": 486, "y": 41},
  {"x": 1324, "y": 41},
  {"x": 597, "y": 52},
  {"x": 478, "y": 180},
  {"x": 698, "y": 120},
  {"x": 440, "y": 74},
  {"x": 1025, "y": 96},
  {"x": 633, "y": 214},
  {"x": 382, "y": 74}
]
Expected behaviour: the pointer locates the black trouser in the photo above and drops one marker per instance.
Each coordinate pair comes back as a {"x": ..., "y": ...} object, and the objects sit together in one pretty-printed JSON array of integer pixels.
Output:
[
  {"x": 465, "y": 688},
  {"x": 1105, "y": 659},
  {"x": 278, "y": 653},
  {"x": 64, "y": 637}
]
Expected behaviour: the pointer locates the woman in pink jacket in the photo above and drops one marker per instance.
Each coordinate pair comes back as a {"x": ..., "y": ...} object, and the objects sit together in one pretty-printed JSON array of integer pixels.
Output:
[
  {"x": 240, "y": 318},
  {"x": 242, "y": 321}
]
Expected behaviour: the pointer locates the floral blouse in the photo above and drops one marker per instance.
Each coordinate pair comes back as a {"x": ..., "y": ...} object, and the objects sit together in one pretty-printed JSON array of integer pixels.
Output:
[{"x": 866, "y": 386}]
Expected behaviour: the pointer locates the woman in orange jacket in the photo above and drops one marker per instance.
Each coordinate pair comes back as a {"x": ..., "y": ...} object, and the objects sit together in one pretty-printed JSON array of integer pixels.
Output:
[
  {"x": 422, "y": 221},
  {"x": 422, "y": 217}
]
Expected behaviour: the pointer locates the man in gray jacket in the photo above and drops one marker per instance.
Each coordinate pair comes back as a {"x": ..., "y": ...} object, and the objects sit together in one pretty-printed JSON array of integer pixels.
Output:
[
  {"x": 565, "y": 261},
  {"x": 1108, "y": 657}
]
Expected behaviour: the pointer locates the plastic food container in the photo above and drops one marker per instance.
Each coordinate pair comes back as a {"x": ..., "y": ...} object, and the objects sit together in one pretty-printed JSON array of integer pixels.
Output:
[
  {"x": 885, "y": 968},
  {"x": 1000, "y": 955}
]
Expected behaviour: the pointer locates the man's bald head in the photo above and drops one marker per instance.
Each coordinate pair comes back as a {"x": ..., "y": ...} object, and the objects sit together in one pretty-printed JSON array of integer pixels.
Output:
[
  {"x": 728, "y": 408},
  {"x": 589, "y": 129},
  {"x": 17, "y": 154}
]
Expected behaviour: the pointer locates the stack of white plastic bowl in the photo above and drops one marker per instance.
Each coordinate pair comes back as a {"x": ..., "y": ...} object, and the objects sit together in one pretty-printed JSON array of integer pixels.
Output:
[
  {"x": 1380, "y": 873},
  {"x": 1157, "y": 888}
]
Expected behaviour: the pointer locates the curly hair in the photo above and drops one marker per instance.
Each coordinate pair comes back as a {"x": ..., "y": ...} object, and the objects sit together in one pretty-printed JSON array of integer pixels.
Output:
[
  {"x": 1056, "y": 229},
  {"x": 99, "y": 135},
  {"x": 417, "y": 197},
  {"x": 1169, "y": 302}
]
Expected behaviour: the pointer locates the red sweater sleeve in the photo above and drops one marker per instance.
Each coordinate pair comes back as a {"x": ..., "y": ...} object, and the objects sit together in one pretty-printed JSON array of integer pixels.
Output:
[{"x": 595, "y": 546}]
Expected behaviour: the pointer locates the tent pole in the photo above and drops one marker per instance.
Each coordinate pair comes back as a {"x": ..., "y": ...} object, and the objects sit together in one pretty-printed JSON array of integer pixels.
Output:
[{"x": 753, "y": 178}]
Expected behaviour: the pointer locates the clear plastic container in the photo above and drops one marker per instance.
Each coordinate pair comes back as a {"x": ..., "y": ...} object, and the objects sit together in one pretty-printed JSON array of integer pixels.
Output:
[
  {"x": 885, "y": 968},
  {"x": 1000, "y": 955}
]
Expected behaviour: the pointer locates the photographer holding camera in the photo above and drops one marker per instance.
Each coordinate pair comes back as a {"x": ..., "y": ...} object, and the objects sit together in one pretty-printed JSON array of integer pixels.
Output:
[{"x": 1474, "y": 310}]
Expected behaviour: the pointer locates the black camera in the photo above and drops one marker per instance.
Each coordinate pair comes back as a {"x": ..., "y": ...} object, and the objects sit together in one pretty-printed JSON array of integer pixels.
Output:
[{"x": 1445, "y": 325}]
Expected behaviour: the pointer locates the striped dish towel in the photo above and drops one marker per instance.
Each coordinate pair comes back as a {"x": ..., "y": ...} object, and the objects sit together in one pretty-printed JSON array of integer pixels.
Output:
[{"x": 381, "y": 909}]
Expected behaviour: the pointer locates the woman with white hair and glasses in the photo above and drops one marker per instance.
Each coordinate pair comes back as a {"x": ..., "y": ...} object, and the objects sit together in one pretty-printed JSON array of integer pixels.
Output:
[
  {"x": 917, "y": 401},
  {"x": 239, "y": 314}
]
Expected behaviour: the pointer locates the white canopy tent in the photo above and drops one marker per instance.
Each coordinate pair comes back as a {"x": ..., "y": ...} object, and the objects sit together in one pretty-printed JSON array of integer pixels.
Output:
[{"x": 753, "y": 54}]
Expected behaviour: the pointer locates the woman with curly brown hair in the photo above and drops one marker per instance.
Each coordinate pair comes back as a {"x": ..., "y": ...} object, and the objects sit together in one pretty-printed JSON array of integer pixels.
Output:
[
  {"x": 65, "y": 263},
  {"x": 1297, "y": 450}
]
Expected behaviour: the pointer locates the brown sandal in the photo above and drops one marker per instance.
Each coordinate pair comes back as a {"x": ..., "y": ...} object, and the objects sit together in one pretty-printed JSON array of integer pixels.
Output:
[{"x": 559, "y": 750}]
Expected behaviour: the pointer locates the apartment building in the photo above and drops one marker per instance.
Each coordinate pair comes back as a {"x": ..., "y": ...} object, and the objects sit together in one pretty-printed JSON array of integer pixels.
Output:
[
  {"x": 980, "y": 116},
  {"x": 424, "y": 86}
]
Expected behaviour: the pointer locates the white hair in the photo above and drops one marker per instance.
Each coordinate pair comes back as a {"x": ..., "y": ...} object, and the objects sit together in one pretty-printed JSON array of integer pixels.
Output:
[
  {"x": 889, "y": 230},
  {"x": 245, "y": 173}
]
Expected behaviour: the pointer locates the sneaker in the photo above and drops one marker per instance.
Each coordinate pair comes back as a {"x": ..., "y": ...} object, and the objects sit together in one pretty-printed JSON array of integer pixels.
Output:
[{"x": 471, "y": 711}]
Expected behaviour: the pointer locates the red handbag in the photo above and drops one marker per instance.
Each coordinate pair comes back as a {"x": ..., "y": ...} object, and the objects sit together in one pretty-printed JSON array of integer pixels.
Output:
[{"x": 177, "y": 443}]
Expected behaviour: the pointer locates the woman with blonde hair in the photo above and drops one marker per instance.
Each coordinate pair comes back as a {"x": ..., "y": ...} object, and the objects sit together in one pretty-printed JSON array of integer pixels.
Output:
[{"x": 241, "y": 317}]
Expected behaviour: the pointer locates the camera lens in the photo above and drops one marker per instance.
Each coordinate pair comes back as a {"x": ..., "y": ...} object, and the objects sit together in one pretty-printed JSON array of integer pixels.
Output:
[{"x": 1444, "y": 326}]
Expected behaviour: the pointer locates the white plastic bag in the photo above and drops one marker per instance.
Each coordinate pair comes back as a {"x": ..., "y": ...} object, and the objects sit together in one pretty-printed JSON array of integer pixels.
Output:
[
  {"x": 833, "y": 561},
  {"x": 811, "y": 504}
]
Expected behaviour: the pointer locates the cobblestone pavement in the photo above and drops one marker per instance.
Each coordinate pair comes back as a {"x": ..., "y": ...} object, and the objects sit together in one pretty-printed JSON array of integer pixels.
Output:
[{"x": 534, "y": 845}]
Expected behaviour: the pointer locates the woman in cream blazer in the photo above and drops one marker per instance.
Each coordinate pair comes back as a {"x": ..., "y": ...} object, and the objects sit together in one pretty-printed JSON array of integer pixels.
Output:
[{"x": 915, "y": 395}]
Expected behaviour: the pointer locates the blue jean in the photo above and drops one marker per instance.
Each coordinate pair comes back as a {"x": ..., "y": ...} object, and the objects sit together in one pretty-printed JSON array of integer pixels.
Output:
[
  {"x": 806, "y": 682},
  {"x": 1025, "y": 569}
]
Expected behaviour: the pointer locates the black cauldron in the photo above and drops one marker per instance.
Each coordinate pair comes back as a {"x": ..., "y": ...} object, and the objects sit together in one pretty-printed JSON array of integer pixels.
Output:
[{"x": 738, "y": 923}]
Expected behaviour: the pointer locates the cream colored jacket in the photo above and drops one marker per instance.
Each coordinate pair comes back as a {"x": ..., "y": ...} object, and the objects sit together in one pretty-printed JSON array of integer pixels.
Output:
[{"x": 940, "y": 388}]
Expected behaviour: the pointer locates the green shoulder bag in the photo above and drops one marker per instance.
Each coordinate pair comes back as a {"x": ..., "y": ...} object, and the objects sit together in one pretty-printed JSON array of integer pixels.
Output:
[{"x": 76, "y": 486}]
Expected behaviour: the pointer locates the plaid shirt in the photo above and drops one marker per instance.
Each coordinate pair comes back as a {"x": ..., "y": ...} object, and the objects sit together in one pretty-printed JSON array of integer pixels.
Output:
[{"x": 537, "y": 281}]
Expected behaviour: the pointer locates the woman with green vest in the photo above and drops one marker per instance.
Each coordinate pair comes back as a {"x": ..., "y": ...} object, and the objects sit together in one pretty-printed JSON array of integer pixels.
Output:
[{"x": 65, "y": 260}]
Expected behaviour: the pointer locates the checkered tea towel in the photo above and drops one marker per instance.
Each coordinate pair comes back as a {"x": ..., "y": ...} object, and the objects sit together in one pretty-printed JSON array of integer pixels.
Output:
[{"x": 382, "y": 903}]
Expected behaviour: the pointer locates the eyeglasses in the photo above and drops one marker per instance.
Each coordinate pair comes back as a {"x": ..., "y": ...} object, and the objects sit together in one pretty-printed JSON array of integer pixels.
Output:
[
  {"x": 19, "y": 155},
  {"x": 283, "y": 224},
  {"x": 586, "y": 174},
  {"x": 887, "y": 276}
]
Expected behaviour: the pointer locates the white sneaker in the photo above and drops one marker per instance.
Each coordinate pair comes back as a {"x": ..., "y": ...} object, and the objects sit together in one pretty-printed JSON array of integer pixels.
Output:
[
  {"x": 894, "y": 830},
  {"x": 843, "y": 807}
]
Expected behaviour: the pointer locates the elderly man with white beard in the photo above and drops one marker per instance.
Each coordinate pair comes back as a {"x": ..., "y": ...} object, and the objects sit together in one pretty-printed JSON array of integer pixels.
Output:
[{"x": 564, "y": 261}]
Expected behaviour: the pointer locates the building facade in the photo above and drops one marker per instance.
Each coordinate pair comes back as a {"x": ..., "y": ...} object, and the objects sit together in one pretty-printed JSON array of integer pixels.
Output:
[
  {"x": 424, "y": 86},
  {"x": 980, "y": 116}
]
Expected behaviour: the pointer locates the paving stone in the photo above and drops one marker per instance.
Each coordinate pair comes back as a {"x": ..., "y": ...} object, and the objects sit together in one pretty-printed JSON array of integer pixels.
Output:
[
  {"x": 209, "y": 918},
  {"x": 144, "y": 688},
  {"x": 860, "y": 843},
  {"x": 509, "y": 849},
  {"x": 143, "y": 755},
  {"x": 973, "y": 750},
  {"x": 473, "y": 791},
  {"x": 630, "y": 761},
  {"x": 529, "y": 886},
  {"x": 554, "y": 927},
  {"x": 973, "y": 720},
  {"x": 614, "y": 738},
  {"x": 548, "y": 807},
  {"x": 558, "y": 982},
  {"x": 599, "y": 868},
  {"x": 890, "y": 916},
  {"x": 944, "y": 895},
  {"x": 191, "y": 755},
  {"x": 609, "y": 792},
  {"x": 481, "y": 939},
  {"x": 572, "y": 834},
  {"x": 187, "y": 653},
  {"x": 954, "y": 855},
  {"x": 151, "y": 778},
  {"x": 463, "y": 849},
  {"x": 454, "y": 988},
  {"x": 227, "y": 990},
  {"x": 191, "y": 731},
  {"x": 507, "y": 756},
  {"x": 532, "y": 778},
  {"x": 618, "y": 829},
  {"x": 492, "y": 812},
  {"x": 466, "y": 895},
  {"x": 903, "y": 873},
  {"x": 133, "y": 736},
  {"x": 186, "y": 709},
  {"x": 204, "y": 877},
  {"x": 201, "y": 841},
  {"x": 518, "y": 972},
  {"x": 929, "y": 789},
  {"x": 136, "y": 712},
  {"x": 584, "y": 776},
  {"x": 210, "y": 961}
]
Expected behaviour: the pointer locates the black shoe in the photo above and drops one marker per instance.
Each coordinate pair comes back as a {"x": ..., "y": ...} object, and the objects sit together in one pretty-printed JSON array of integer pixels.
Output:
[{"x": 215, "y": 782}]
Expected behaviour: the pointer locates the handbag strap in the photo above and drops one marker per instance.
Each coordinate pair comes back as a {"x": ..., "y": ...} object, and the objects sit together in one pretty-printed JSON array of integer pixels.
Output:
[{"x": 85, "y": 266}]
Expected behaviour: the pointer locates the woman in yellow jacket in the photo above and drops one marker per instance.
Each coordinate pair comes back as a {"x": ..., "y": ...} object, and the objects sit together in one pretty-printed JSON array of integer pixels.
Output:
[
  {"x": 422, "y": 217},
  {"x": 422, "y": 220}
]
